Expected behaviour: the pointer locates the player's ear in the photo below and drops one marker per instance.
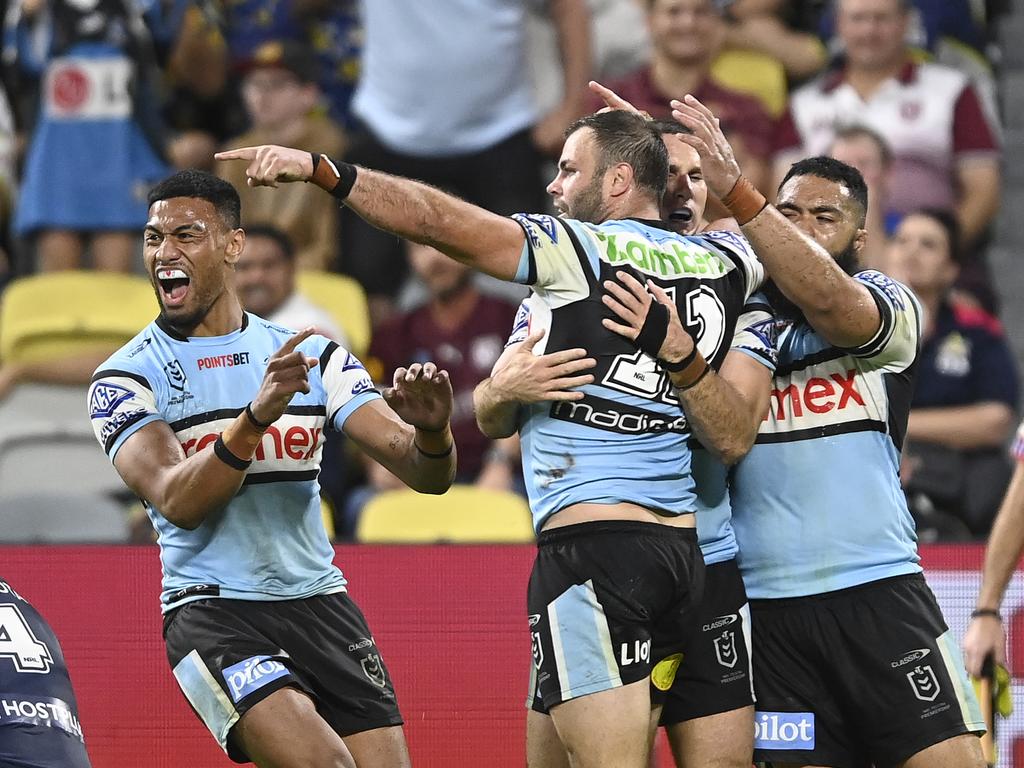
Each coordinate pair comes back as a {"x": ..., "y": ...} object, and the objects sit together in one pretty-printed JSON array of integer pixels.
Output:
[
  {"x": 236, "y": 242},
  {"x": 860, "y": 240},
  {"x": 621, "y": 179}
]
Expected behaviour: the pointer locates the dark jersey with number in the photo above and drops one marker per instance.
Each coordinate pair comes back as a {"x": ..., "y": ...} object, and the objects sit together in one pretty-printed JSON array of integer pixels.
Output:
[
  {"x": 39, "y": 725},
  {"x": 626, "y": 440}
]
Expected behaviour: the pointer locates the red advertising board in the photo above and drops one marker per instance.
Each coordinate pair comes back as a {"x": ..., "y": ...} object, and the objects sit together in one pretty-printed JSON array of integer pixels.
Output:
[{"x": 450, "y": 621}]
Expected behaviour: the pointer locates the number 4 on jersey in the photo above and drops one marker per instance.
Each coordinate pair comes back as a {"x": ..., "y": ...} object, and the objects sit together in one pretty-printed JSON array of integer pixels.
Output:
[{"x": 18, "y": 643}]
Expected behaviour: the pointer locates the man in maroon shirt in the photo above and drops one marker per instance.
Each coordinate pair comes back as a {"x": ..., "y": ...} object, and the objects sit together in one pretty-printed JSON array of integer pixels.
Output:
[
  {"x": 462, "y": 330},
  {"x": 685, "y": 38}
]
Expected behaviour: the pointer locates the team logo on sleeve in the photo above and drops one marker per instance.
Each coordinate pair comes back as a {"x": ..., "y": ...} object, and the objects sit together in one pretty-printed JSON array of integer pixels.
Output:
[
  {"x": 546, "y": 224},
  {"x": 887, "y": 285},
  {"x": 105, "y": 399}
]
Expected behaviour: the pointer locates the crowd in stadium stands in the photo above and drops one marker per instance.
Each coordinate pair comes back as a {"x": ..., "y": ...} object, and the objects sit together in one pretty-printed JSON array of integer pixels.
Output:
[{"x": 101, "y": 100}]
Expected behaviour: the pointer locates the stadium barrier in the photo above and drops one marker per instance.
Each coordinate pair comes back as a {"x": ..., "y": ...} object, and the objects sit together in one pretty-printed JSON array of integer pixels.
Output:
[{"x": 450, "y": 622}]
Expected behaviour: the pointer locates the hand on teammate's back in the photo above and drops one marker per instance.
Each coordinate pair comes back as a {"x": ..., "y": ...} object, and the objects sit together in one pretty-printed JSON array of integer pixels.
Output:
[
  {"x": 422, "y": 396},
  {"x": 985, "y": 637},
  {"x": 529, "y": 378},
  {"x": 632, "y": 303},
  {"x": 287, "y": 373}
]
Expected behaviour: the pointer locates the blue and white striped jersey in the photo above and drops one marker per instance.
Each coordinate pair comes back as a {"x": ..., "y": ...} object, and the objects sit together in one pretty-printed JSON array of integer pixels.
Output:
[
  {"x": 817, "y": 503},
  {"x": 626, "y": 440},
  {"x": 754, "y": 336},
  {"x": 269, "y": 542}
]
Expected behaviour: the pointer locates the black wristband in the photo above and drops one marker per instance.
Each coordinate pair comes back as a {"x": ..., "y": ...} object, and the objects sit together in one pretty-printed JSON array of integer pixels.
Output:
[
  {"x": 654, "y": 330},
  {"x": 344, "y": 172},
  {"x": 987, "y": 612},
  {"x": 430, "y": 455},
  {"x": 695, "y": 382},
  {"x": 254, "y": 421},
  {"x": 677, "y": 367},
  {"x": 224, "y": 454}
]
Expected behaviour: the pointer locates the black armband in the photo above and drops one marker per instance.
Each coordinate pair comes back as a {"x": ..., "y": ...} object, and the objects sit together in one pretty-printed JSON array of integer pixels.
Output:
[
  {"x": 654, "y": 330},
  {"x": 224, "y": 454},
  {"x": 335, "y": 178},
  {"x": 254, "y": 421},
  {"x": 986, "y": 612},
  {"x": 429, "y": 455}
]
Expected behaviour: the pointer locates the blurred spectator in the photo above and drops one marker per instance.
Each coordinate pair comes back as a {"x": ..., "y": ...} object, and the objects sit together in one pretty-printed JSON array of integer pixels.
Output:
[
  {"x": 869, "y": 153},
  {"x": 686, "y": 35},
  {"x": 460, "y": 329},
  {"x": 944, "y": 146},
  {"x": 950, "y": 32},
  {"x": 98, "y": 142},
  {"x": 8, "y": 152},
  {"x": 759, "y": 25},
  {"x": 281, "y": 93},
  {"x": 331, "y": 29},
  {"x": 463, "y": 331},
  {"x": 265, "y": 279},
  {"x": 962, "y": 411},
  {"x": 445, "y": 98}
]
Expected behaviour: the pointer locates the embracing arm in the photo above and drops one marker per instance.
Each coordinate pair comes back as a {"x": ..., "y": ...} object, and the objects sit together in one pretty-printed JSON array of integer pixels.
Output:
[
  {"x": 725, "y": 410},
  {"x": 838, "y": 307},
  {"x": 407, "y": 208},
  {"x": 496, "y": 412}
]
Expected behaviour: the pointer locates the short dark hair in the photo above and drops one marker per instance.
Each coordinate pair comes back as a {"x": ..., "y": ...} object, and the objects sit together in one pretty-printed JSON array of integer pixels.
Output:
[
  {"x": 669, "y": 126},
  {"x": 948, "y": 221},
  {"x": 830, "y": 169},
  {"x": 273, "y": 233},
  {"x": 205, "y": 186},
  {"x": 623, "y": 137},
  {"x": 850, "y": 132}
]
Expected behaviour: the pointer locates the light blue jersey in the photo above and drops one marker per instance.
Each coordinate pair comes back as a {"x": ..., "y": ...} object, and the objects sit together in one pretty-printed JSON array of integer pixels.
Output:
[
  {"x": 755, "y": 336},
  {"x": 627, "y": 439},
  {"x": 269, "y": 542},
  {"x": 817, "y": 503}
]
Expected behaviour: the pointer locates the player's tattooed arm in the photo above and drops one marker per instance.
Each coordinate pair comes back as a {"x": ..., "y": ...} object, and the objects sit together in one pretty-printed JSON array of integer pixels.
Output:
[
  {"x": 412, "y": 438},
  {"x": 721, "y": 415},
  {"x": 837, "y": 306},
  {"x": 520, "y": 377},
  {"x": 185, "y": 490},
  {"x": 407, "y": 208}
]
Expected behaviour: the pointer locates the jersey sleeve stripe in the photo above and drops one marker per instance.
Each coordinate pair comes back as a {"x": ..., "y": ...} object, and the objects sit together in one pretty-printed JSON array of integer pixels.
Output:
[
  {"x": 531, "y": 261},
  {"x": 339, "y": 417},
  {"x": 131, "y": 421},
  {"x": 589, "y": 268},
  {"x": 885, "y": 330},
  {"x": 325, "y": 356},
  {"x": 108, "y": 373}
]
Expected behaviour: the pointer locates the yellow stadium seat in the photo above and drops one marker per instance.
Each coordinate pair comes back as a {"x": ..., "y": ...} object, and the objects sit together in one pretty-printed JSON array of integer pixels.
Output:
[
  {"x": 464, "y": 515},
  {"x": 345, "y": 300},
  {"x": 756, "y": 74},
  {"x": 53, "y": 315}
]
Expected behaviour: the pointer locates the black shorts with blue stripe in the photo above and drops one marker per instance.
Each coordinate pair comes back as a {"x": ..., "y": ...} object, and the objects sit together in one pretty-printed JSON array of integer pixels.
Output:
[
  {"x": 229, "y": 655},
  {"x": 610, "y": 603}
]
